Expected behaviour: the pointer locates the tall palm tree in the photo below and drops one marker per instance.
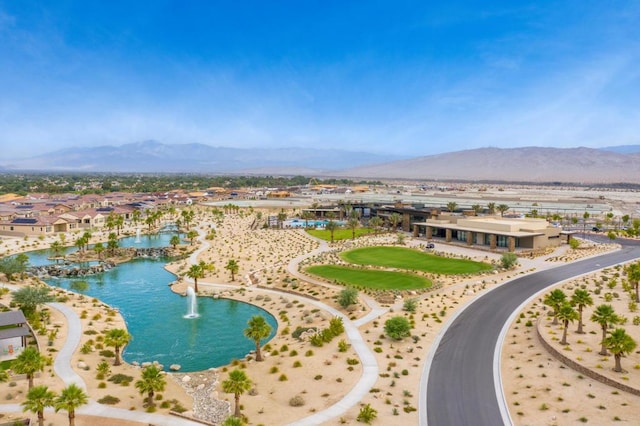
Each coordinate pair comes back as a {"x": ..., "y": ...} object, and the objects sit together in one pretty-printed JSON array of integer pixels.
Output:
[
  {"x": 191, "y": 235},
  {"x": 174, "y": 241},
  {"x": 581, "y": 298},
  {"x": 152, "y": 381},
  {"x": 237, "y": 384},
  {"x": 112, "y": 243},
  {"x": 452, "y": 206},
  {"x": 71, "y": 398},
  {"x": 633, "y": 275},
  {"x": 282, "y": 216},
  {"x": 502, "y": 208},
  {"x": 39, "y": 398},
  {"x": 98, "y": 248},
  {"x": 331, "y": 226},
  {"x": 307, "y": 216},
  {"x": 232, "y": 266},
  {"x": 118, "y": 338},
  {"x": 57, "y": 248},
  {"x": 257, "y": 329},
  {"x": 353, "y": 224},
  {"x": 555, "y": 299},
  {"x": 29, "y": 362},
  {"x": 619, "y": 343},
  {"x": 477, "y": 208},
  {"x": 491, "y": 207},
  {"x": 566, "y": 314},
  {"x": 198, "y": 271},
  {"x": 605, "y": 316}
]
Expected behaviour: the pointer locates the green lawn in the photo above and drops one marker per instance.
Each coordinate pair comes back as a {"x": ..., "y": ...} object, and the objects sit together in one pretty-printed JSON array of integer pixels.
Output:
[
  {"x": 405, "y": 258},
  {"x": 338, "y": 234},
  {"x": 380, "y": 280}
]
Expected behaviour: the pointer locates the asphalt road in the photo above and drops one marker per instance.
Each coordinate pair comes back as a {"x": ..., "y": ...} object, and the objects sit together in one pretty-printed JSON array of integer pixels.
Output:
[{"x": 460, "y": 387}]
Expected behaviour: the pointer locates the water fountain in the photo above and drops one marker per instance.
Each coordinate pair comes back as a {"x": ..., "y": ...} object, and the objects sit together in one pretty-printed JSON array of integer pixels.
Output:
[
  {"x": 192, "y": 304},
  {"x": 137, "y": 235}
]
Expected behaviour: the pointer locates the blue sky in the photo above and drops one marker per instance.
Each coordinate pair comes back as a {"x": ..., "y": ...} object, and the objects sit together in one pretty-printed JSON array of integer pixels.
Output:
[{"x": 409, "y": 77}]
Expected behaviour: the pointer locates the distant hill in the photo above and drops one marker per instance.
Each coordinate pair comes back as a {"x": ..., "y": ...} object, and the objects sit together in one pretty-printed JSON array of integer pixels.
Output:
[
  {"x": 623, "y": 149},
  {"x": 156, "y": 157},
  {"x": 530, "y": 164}
]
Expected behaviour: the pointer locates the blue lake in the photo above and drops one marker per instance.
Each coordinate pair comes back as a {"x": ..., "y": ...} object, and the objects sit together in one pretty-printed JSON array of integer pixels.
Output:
[{"x": 155, "y": 315}]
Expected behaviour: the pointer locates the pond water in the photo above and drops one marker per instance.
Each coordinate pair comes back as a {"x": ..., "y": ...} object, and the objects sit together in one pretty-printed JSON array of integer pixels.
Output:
[{"x": 155, "y": 315}]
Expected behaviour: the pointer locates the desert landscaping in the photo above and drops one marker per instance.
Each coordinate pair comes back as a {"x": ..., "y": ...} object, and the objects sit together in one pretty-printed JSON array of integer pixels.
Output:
[{"x": 299, "y": 378}]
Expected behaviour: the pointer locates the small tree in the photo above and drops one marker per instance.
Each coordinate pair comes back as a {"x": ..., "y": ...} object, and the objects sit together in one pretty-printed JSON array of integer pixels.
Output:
[
  {"x": 237, "y": 384},
  {"x": 29, "y": 362},
  {"x": 397, "y": 327},
  {"x": 191, "y": 235},
  {"x": 118, "y": 338},
  {"x": 502, "y": 208},
  {"x": 331, "y": 226},
  {"x": 15, "y": 265},
  {"x": 30, "y": 297},
  {"x": 152, "y": 381},
  {"x": 102, "y": 370},
  {"x": 174, "y": 241},
  {"x": 367, "y": 414},
  {"x": 619, "y": 343},
  {"x": 70, "y": 398},
  {"x": 574, "y": 243},
  {"x": 508, "y": 260},
  {"x": 257, "y": 329},
  {"x": 347, "y": 297},
  {"x": 39, "y": 398}
]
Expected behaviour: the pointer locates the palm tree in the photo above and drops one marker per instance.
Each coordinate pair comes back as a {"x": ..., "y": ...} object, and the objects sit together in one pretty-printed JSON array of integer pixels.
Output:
[
  {"x": 502, "y": 208},
  {"x": 566, "y": 314},
  {"x": 619, "y": 343},
  {"x": 633, "y": 275},
  {"x": 605, "y": 316},
  {"x": 174, "y": 241},
  {"x": 581, "y": 298},
  {"x": 353, "y": 224},
  {"x": 29, "y": 362},
  {"x": 112, "y": 243},
  {"x": 197, "y": 271},
  {"x": 39, "y": 398},
  {"x": 257, "y": 329},
  {"x": 555, "y": 299},
  {"x": 71, "y": 398},
  {"x": 492, "y": 208},
  {"x": 375, "y": 222},
  {"x": 477, "y": 208},
  {"x": 394, "y": 219},
  {"x": 98, "y": 248},
  {"x": 152, "y": 381},
  {"x": 452, "y": 206},
  {"x": 233, "y": 421},
  {"x": 237, "y": 384},
  {"x": 57, "y": 248},
  {"x": 117, "y": 337},
  {"x": 191, "y": 235},
  {"x": 233, "y": 267},
  {"x": 119, "y": 222},
  {"x": 307, "y": 215},
  {"x": 282, "y": 216},
  {"x": 331, "y": 226}
]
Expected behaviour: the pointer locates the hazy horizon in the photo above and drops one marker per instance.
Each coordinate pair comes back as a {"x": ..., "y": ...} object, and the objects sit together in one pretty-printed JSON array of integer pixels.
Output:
[{"x": 409, "y": 78}]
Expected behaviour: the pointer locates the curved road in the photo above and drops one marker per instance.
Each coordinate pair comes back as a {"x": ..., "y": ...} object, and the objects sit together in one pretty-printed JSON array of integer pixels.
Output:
[{"x": 460, "y": 387}]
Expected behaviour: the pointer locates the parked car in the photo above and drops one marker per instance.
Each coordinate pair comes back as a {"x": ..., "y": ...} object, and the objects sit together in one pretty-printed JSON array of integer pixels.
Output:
[
  {"x": 430, "y": 245},
  {"x": 596, "y": 229}
]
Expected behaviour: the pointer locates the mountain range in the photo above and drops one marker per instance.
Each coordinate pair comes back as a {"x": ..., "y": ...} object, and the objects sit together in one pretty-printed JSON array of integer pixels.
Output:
[{"x": 620, "y": 164}]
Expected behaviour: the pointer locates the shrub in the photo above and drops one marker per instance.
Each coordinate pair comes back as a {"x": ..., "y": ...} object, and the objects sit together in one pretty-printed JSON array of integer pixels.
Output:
[
  {"x": 120, "y": 379},
  {"x": 343, "y": 346},
  {"x": 347, "y": 297},
  {"x": 397, "y": 327},
  {"x": 508, "y": 260},
  {"x": 283, "y": 378},
  {"x": 367, "y": 414},
  {"x": 410, "y": 305},
  {"x": 109, "y": 400},
  {"x": 297, "y": 401},
  {"x": 352, "y": 361}
]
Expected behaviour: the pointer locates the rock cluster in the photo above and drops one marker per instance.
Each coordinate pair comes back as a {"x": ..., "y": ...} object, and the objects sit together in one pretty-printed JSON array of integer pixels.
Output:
[
  {"x": 201, "y": 386},
  {"x": 66, "y": 270}
]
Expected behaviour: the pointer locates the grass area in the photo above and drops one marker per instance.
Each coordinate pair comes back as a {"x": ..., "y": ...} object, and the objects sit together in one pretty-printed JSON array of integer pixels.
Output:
[
  {"x": 338, "y": 234},
  {"x": 380, "y": 280},
  {"x": 405, "y": 258},
  {"x": 5, "y": 365}
]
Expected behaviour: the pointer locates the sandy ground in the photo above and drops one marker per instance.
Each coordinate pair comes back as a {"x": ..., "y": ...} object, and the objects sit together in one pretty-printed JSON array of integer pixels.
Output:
[{"x": 320, "y": 376}]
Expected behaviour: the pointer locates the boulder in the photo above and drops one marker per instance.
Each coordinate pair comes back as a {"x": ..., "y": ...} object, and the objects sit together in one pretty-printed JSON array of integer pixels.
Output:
[{"x": 175, "y": 367}]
